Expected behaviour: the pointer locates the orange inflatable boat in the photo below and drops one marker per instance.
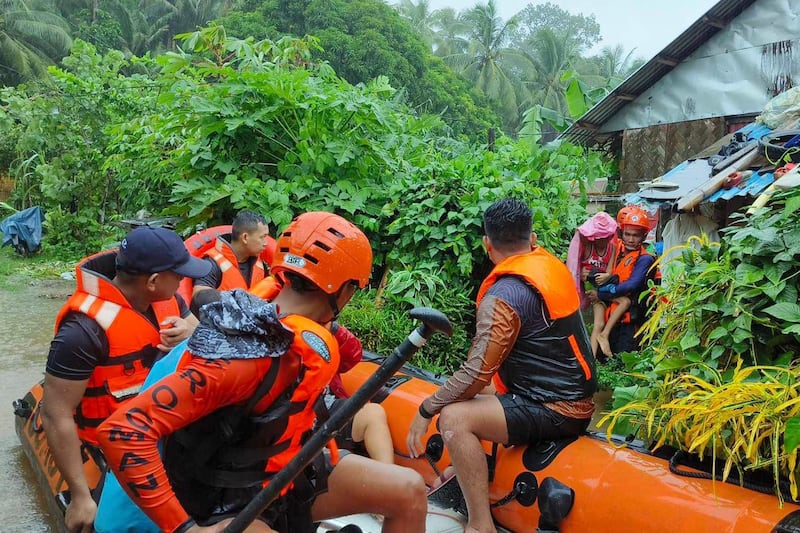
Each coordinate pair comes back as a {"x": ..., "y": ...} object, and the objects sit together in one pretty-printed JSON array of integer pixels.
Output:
[
  {"x": 583, "y": 485},
  {"x": 598, "y": 486}
]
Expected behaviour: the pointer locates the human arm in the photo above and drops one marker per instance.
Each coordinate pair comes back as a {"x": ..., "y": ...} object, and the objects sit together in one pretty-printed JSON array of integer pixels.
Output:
[
  {"x": 496, "y": 330},
  {"x": 212, "y": 280},
  {"x": 350, "y": 349},
  {"x": 350, "y": 354},
  {"x": 74, "y": 353},
  {"x": 61, "y": 397},
  {"x": 130, "y": 436},
  {"x": 635, "y": 283}
]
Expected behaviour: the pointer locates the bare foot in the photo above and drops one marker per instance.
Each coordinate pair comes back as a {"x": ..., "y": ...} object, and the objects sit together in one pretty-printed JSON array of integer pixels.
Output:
[
  {"x": 446, "y": 476},
  {"x": 470, "y": 529},
  {"x": 602, "y": 339}
]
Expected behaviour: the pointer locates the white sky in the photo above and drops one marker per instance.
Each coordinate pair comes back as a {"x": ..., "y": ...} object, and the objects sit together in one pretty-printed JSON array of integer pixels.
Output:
[{"x": 647, "y": 25}]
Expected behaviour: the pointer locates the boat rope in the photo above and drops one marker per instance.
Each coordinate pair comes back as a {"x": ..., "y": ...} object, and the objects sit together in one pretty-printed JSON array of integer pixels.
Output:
[
  {"x": 519, "y": 488},
  {"x": 431, "y": 462}
]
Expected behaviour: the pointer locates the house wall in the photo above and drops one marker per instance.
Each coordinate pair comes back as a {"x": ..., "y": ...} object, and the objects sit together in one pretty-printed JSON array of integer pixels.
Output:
[
  {"x": 649, "y": 152},
  {"x": 736, "y": 72}
]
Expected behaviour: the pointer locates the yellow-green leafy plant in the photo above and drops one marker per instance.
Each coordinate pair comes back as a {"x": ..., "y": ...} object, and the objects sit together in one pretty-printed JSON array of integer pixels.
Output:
[
  {"x": 719, "y": 374},
  {"x": 751, "y": 420}
]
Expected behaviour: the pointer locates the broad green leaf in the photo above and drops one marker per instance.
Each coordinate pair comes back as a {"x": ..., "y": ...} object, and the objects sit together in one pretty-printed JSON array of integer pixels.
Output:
[
  {"x": 789, "y": 312},
  {"x": 718, "y": 333},
  {"x": 791, "y": 434},
  {"x": 671, "y": 364},
  {"x": 689, "y": 340}
]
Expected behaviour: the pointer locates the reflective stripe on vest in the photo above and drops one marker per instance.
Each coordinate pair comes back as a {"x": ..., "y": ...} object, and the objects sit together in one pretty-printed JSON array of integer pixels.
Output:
[
  {"x": 558, "y": 363},
  {"x": 132, "y": 341},
  {"x": 232, "y": 278}
]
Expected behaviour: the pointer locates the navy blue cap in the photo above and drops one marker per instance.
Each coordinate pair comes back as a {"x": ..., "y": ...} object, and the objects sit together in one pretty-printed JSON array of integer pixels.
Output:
[{"x": 149, "y": 250}]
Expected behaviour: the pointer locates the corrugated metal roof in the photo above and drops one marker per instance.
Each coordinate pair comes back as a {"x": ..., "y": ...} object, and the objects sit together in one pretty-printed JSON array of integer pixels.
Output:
[
  {"x": 585, "y": 130},
  {"x": 752, "y": 186}
]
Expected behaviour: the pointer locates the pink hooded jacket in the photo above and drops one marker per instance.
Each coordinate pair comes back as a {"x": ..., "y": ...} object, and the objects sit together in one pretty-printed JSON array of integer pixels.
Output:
[{"x": 600, "y": 226}]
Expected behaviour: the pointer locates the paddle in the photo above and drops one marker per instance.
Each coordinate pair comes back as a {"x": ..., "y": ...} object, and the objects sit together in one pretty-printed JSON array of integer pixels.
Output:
[{"x": 432, "y": 321}]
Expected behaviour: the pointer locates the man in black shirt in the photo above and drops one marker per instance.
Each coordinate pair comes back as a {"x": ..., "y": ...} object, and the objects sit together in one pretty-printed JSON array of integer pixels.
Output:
[{"x": 123, "y": 314}]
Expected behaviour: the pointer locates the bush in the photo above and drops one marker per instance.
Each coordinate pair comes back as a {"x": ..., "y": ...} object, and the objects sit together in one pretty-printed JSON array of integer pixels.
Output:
[{"x": 382, "y": 328}]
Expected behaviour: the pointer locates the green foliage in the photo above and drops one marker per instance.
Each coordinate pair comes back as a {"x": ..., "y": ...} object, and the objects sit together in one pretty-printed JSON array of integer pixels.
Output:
[
  {"x": 613, "y": 375},
  {"x": 382, "y": 328},
  {"x": 436, "y": 212},
  {"x": 17, "y": 271},
  {"x": 366, "y": 39},
  {"x": 61, "y": 146},
  {"x": 733, "y": 302}
]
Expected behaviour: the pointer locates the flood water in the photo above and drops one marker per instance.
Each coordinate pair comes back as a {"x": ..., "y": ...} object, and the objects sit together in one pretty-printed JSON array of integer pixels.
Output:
[{"x": 27, "y": 313}]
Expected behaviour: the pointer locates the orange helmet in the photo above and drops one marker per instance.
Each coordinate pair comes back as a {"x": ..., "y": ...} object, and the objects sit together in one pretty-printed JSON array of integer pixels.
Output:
[
  {"x": 622, "y": 213},
  {"x": 633, "y": 216},
  {"x": 326, "y": 249}
]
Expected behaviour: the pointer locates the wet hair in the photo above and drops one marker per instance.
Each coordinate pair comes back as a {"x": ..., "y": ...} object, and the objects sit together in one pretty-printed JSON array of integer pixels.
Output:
[
  {"x": 300, "y": 283},
  {"x": 507, "y": 223},
  {"x": 202, "y": 298},
  {"x": 245, "y": 222}
]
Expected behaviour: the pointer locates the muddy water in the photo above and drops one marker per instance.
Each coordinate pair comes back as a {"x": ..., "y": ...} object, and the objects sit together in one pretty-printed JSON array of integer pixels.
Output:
[{"x": 27, "y": 313}]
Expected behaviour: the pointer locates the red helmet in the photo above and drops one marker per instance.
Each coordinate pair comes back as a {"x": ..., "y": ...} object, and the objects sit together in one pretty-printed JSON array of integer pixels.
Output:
[
  {"x": 326, "y": 249},
  {"x": 633, "y": 216}
]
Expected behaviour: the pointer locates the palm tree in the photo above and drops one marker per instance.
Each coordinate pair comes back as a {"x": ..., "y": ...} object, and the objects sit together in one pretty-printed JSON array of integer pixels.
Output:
[
  {"x": 145, "y": 29},
  {"x": 29, "y": 41},
  {"x": 551, "y": 55},
  {"x": 420, "y": 16},
  {"x": 188, "y": 15},
  {"x": 449, "y": 31},
  {"x": 614, "y": 64},
  {"x": 489, "y": 62}
]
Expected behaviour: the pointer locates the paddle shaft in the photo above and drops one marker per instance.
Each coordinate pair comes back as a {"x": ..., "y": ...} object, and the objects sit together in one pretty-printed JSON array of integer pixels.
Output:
[{"x": 333, "y": 425}]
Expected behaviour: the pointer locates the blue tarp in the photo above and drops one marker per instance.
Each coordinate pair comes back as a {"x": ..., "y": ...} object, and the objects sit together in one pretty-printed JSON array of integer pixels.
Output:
[
  {"x": 753, "y": 186},
  {"x": 691, "y": 174},
  {"x": 23, "y": 230}
]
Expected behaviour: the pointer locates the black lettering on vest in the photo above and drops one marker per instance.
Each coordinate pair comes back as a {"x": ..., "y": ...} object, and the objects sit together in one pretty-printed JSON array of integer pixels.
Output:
[
  {"x": 168, "y": 400},
  {"x": 216, "y": 363},
  {"x": 151, "y": 484},
  {"x": 196, "y": 379},
  {"x": 131, "y": 415},
  {"x": 130, "y": 459},
  {"x": 118, "y": 433}
]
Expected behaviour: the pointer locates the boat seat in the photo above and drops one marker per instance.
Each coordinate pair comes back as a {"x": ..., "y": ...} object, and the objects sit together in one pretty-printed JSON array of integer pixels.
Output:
[{"x": 537, "y": 456}]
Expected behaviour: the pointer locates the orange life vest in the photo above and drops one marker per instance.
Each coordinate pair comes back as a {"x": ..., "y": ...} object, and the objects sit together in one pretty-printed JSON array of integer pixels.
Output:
[
  {"x": 225, "y": 257},
  {"x": 626, "y": 262},
  {"x": 268, "y": 288},
  {"x": 132, "y": 341},
  {"x": 243, "y": 463},
  {"x": 558, "y": 364}
]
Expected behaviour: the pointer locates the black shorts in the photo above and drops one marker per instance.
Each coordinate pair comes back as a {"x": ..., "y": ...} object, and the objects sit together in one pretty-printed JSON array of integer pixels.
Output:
[
  {"x": 291, "y": 513},
  {"x": 529, "y": 421}
]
